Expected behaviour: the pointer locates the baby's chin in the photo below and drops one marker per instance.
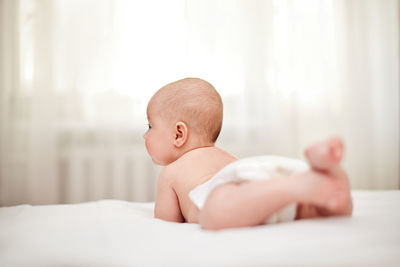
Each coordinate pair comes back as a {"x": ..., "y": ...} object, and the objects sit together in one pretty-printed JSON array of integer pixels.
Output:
[
  {"x": 162, "y": 162},
  {"x": 157, "y": 162}
]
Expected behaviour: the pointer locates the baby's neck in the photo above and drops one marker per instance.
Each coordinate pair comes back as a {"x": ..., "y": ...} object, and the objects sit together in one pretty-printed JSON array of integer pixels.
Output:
[{"x": 193, "y": 146}]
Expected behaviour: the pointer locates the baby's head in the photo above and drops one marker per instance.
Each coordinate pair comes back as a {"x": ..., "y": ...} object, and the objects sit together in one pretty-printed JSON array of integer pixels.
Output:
[{"x": 184, "y": 115}]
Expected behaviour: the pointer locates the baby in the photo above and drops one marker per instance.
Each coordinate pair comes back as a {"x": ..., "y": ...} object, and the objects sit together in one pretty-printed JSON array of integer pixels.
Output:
[{"x": 204, "y": 184}]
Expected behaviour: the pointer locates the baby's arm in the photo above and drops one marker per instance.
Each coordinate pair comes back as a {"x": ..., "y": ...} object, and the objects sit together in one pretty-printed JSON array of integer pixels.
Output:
[{"x": 167, "y": 205}]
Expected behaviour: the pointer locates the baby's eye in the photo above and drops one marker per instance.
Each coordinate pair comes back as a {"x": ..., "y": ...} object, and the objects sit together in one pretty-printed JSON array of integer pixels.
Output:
[{"x": 148, "y": 126}]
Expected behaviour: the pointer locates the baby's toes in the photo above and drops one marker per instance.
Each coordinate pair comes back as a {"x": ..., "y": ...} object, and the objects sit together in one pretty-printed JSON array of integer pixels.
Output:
[
  {"x": 335, "y": 149},
  {"x": 338, "y": 202}
]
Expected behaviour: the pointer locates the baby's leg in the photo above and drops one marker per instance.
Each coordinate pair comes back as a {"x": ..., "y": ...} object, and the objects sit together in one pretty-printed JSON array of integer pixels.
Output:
[
  {"x": 325, "y": 157},
  {"x": 252, "y": 202},
  {"x": 319, "y": 193}
]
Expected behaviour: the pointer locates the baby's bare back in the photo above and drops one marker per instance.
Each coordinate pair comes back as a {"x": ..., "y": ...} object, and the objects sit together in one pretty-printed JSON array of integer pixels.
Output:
[{"x": 195, "y": 168}]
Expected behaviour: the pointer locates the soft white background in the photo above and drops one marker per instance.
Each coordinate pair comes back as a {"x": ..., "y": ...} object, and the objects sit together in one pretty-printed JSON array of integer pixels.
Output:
[{"x": 75, "y": 78}]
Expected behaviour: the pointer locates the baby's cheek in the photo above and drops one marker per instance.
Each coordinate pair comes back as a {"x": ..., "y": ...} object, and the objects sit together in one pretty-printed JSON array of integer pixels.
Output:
[{"x": 147, "y": 145}]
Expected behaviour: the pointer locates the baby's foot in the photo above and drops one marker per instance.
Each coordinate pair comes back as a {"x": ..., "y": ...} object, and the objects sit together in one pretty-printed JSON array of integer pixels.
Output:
[
  {"x": 329, "y": 194},
  {"x": 339, "y": 202},
  {"x": 326, "y": 154}
]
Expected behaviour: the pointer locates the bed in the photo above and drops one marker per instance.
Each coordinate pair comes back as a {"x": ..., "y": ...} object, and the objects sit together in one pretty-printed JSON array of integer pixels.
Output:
[{"x": 120, "y": 233}]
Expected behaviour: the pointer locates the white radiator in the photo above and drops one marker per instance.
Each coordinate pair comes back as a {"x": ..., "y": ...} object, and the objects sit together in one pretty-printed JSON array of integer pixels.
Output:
[
  {"x": 73, "y": 165},
  {"x": 94, "y": 167}
]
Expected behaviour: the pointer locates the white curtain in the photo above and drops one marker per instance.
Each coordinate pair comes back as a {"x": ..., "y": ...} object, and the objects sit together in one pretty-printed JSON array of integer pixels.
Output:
[{"x": 76, "y": 76}]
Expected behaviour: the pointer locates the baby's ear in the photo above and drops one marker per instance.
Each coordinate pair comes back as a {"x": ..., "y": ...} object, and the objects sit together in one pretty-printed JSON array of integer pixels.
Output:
[{"x": 181, "y": 132}]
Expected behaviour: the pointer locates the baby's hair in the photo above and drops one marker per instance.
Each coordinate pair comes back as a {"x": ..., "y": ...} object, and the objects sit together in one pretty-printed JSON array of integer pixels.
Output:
[{"x": 195, "y": 102}]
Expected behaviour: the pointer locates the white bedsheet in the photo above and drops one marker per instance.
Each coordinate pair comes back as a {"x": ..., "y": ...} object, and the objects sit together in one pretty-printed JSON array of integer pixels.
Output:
[{"x": 119, "y": 233}]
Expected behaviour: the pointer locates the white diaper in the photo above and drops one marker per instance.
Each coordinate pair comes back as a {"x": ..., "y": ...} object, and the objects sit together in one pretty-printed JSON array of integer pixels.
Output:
[{"x": 253, "y": 168}]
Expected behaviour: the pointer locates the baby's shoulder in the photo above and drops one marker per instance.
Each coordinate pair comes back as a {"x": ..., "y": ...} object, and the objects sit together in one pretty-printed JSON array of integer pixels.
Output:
[
  {"x": 204, "y": 161},
  {"x": 168, "y": 172},
  {"x": 198, "y": 162},
  {"x": 176, "y": 169}
]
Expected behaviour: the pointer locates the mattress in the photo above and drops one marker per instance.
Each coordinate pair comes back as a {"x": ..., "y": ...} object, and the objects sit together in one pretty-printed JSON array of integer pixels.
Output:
[{"x": 120, "y": 233}]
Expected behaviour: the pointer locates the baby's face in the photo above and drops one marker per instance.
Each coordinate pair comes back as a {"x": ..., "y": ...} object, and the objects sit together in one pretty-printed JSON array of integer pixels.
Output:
[{"x": 159, "y": 139}]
